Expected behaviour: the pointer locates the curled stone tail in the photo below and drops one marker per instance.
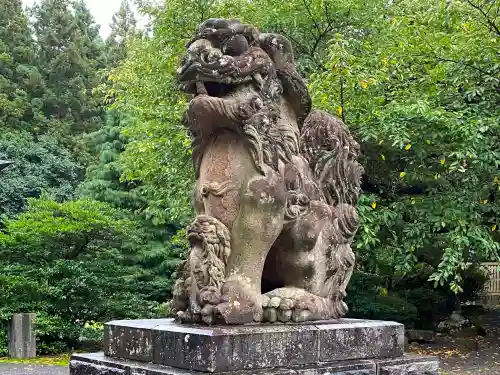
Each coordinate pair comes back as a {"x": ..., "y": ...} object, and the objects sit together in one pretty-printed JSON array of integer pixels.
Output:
[{"x": 331, "y": 152}]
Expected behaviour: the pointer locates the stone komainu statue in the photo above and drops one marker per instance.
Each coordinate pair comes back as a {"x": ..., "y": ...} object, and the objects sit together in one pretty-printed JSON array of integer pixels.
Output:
[{"x": 276, "y": 186}]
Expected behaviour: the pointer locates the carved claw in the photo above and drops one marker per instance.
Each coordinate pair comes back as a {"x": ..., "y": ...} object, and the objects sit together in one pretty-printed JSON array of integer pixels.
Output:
[
  {"x": 259, "y": 80},
  {"x": 297, "y": 305}
]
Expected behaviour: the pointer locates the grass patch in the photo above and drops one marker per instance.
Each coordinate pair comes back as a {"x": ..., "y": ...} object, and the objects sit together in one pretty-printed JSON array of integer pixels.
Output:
[{"x": 56, "y": 360}]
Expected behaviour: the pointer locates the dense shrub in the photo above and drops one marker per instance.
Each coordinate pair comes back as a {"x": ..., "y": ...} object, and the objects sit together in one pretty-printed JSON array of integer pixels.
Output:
[
  {"x": 413, "y": 300},
  {"x": 379, "y": 307},
  {"x": 432, "y": 305},
  {"x": 475, "y": 279},
  {"x": 367, "y": 298},
  {"x": 74, "y": 264},
  {"x": 3, "y": 342}
]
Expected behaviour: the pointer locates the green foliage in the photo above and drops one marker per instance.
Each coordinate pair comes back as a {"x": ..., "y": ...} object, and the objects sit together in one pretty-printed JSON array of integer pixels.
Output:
[
  {"x": 160, "y": 152},
  {"x": 46, "y": 98},
  {"x": 57, "y": 257},
  {"x": 69, "y": 56},
  {"x": 3, "y": 342},
  {"x": 367, "y": 299},
  {"x": 20, "y": 81},
  {"x": 41, "y": 164},
  {"x": 103, "y": 183},
  {"x": 123, "y": 28},
  {"x": 413, "y": 296},
  {"x": 73, "y": 262},
  {"x": 420, "y": 89},
  {"x": 103, "y": 179},
  {"x": 416, "y": 82},
  {"x": 433, "y": 305}
]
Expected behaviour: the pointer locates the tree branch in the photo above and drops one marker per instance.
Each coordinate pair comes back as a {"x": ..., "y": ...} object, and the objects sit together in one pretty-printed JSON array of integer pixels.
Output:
[
  {"x": 461, "y": 63},
  {"x": 486, "y": 16},
  {"x": 439, "y": 58},
  {"x": 311, "y": 15},
  {"x": 342, "y": 96},
  {"x": 305, "y": 51}
]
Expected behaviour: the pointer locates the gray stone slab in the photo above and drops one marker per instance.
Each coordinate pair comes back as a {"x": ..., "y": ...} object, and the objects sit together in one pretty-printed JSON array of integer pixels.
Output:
[
  {"x": 409, "y": 365},
  {"x": 368, "y": 339},
  {"x": 21, "y": 336},
  {"x": 98, "y": 364},
  {"x": 341, "y": 368},
  {"x": 231, "y": 348}
]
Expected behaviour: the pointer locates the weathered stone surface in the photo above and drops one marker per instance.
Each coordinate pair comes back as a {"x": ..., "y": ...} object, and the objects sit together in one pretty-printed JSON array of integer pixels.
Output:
[
  {"x": 211, "y": 349},
  {"x": 217, "y": 350},
  {"x": 341, "y": 368},
  {"x": 231, "y": 348},
  {"x": 90, "y": 368},
  {"x": 276, "y": 186},
  {"x": 98, "y": 364},
  {"x": 408, "y": 365},
  {"x": 22, "y": 339},
  {"x": 359, "y": 340},
  {"x": 133, "y": 340}
]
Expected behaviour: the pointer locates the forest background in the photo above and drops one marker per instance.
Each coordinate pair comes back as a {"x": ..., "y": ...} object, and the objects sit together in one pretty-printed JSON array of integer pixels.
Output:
[{"x": 93, "y": 210}]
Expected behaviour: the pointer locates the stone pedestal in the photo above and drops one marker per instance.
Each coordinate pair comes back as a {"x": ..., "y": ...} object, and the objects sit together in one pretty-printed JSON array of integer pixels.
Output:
[
  {"x": 341, "y": 347},
  {"x": 21, "y": 336}
]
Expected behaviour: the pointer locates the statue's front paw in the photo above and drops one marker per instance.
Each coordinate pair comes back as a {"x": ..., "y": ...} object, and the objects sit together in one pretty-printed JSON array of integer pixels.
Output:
[
  {"x": 209, "y": 297},
  {"x": 249, "y": 107},
  {"x": 297, "y": 305},
  {"x": 240, "y": 304}
]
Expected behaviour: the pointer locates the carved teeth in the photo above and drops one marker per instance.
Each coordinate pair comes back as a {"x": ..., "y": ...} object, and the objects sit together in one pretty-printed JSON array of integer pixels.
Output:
[
  {"x": 258, "y": 78},
  {"x": 200, "y": 88}
]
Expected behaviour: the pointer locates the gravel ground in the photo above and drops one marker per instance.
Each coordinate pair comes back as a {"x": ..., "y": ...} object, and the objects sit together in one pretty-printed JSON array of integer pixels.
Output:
[
  {"x": 25, "y": 369},
  {"x": 470, "y": 356}
]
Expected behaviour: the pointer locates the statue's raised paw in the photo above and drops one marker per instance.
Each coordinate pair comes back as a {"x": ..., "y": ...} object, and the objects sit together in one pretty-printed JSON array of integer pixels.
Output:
[{"x": 249, "y": 107}]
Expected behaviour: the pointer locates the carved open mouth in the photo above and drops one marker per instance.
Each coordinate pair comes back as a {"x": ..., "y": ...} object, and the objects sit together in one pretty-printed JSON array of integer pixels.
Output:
[
  {"x": 208, "y": 73},
  {"x": 215, "y": 89}
]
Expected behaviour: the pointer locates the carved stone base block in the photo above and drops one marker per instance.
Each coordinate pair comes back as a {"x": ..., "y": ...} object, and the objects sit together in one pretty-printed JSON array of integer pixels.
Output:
[
  {"x": 340, "y": 347},
  {"x": 99, "y": 364}
]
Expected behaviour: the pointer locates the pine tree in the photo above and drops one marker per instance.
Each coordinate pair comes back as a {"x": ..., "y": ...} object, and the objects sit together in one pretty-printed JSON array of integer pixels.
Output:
[
  {"x": 123, "y": 27},
  {"x": 20, "y": 81},
  {"x": 102, "y": 180},
  {"x": 40, "y": 161},
  {"x": 69, "y": 55}
]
